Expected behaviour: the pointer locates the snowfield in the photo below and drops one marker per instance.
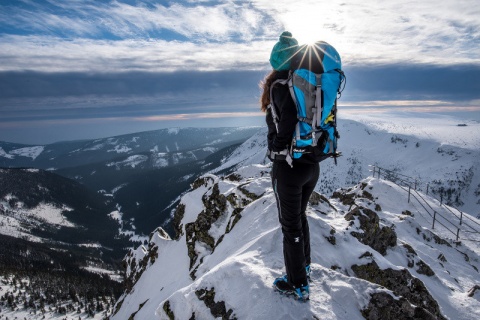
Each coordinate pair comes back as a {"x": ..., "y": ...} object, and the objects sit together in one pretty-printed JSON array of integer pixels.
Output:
[
  {"x": 187, "y": 276},
  {"x": 18, "y": 221},
  {"x": 30, "y": 152}
]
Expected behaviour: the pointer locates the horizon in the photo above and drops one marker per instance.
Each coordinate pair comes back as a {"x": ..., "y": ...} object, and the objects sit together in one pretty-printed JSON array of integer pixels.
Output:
[{"x": 85, "y": 70}]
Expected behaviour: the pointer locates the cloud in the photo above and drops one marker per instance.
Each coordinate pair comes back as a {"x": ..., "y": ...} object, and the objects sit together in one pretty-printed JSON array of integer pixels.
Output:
[
  {"x": 88, "y": 36},
  {"x": 114, "y": 61}
]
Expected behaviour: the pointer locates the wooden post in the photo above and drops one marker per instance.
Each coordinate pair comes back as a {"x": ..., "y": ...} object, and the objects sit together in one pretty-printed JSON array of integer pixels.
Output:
[
  {"x": 434, "y": 217},
  {"x": 409, "y": 193}
]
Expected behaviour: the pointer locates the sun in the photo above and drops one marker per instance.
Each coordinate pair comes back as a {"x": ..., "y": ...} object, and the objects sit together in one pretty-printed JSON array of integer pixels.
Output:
[
  {"x": 307, "y": 37},
  {"x": 305, "y": 25}
]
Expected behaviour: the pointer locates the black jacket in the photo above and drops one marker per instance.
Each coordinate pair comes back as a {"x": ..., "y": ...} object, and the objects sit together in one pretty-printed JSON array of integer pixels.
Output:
[{"x": 287, "y": 112}]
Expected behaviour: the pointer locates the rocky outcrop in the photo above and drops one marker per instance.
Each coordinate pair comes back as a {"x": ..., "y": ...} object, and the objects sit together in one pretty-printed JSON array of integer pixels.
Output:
[
  {"x": 197, "y": 231},
  {"x": 402, "y": 284},
  {"x": 373, "y": 235},
  {"x": 137, "y": 261},
  {"x": 177, "y": 220},
  {"x": 220, "y": 210},
  {"x": 218, "y": 309},
  {"x": 383, "y": 306}
]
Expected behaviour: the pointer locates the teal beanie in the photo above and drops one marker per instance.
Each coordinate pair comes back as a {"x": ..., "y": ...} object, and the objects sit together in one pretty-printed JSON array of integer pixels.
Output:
[{"x": 283, "y": 51}]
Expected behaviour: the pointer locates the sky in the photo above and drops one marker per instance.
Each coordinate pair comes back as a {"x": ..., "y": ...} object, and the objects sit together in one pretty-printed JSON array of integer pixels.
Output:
[{"x": 83, "y": 69}]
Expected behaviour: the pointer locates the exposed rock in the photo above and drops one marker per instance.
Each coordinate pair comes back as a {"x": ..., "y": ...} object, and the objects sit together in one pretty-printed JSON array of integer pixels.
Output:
[
  {"x": 135, "y": 268},
  {"x": 168, "y": 310},
  {"x": 401, "y": 283},
  {"x": 472, "y": 291},
  {"x": 177, "y": 220},
  {"x": 379, "y": 238},
  {"x": 367, "y": 254},
  {"x": 442, "y": 258},
  {"x": 197, "y": 231},
  {"x": 234, "y": 219},
  {"x": 347, "y": 199},
  {"x": 423, "y": 268},
  {"x": 234, "y": 177},
  {"x": 332, "y": 238},
  {"x": 202, "y": 181},
  {"x": 217, "y": 309},
  {"x": 317, "y": 198},
  {"x": 367, "y": 195},
  {"x": 132, "y": 316},
  {"x": 411, "y": 255},
  {"x": 383, "y": 306}
]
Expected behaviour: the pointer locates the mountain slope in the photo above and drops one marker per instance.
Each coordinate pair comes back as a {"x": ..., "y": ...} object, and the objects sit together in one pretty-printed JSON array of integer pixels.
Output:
[
  {"x": 42, "y": 207},
  {"x": 60, "y": 249},
  {"x": 372, "y": 254},
  {"x": 167, "y": 146},
  {"x": 434, "y": 151}
]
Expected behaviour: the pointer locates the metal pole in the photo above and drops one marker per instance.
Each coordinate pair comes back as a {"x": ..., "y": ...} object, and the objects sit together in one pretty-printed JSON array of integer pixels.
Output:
[
  {"x": 434, "y": 216},
  {"x": 458, "y": 232},
  {"x": 409, "y": 193},
  {"x": 461, "y": 217}
]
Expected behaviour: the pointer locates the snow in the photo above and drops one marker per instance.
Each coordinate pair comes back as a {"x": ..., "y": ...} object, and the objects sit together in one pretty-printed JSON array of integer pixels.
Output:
[
  {"x": 429, "y": 148},
  {"x": 30, "y": 152},
  {"x": 101, "y": 271},
  {"x": 50, "y": 214},
  {"x": 18, "y": 221},
  {"x": 5, "y": 155},
  {"x": 20, "y": 314},
  {"x": 95, "y": 147},
  {"x": 131, "y": 161},
  {"x": 117, "y": 215},
  {"x": 440, "y": 128},
  {"x": 243, "y": 266},
  {"x": 120, "y": 149},
  {"x": 173, "y": 131}
]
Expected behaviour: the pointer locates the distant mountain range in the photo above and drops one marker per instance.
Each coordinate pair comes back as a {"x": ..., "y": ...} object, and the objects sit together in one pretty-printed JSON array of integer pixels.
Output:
[
  {"x": 154, "y": 149},
  {"x": 142, "y": 173},
  {"x": 71, "y": 210}
]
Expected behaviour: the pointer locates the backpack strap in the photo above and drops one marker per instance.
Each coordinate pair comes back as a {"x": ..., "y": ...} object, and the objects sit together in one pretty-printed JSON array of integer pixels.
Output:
[
  {"x": 271, "y": 106},
  {"x": 317, "y": 109},
  {"x": 284, "y": 154}
]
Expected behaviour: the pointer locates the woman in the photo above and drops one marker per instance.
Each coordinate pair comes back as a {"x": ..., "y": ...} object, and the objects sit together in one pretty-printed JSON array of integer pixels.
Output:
[{"x": 294, "y": 184}]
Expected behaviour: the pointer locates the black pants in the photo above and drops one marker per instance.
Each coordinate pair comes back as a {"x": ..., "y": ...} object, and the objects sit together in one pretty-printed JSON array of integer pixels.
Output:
[{"x": 293, "y": 187}]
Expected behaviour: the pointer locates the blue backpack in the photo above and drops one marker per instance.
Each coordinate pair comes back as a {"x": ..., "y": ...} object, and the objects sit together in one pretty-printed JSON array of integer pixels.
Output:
[{"x": 314, "y": 87}]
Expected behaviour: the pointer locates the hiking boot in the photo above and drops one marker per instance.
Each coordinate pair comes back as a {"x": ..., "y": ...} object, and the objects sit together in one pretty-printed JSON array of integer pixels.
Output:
[
  {"x": 281, "y": 285},
  {"x": 303, "y": 293}
]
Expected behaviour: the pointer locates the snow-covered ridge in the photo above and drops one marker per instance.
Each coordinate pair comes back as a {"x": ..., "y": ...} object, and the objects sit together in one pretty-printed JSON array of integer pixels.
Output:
[
  {"x": 370, "y": 247},
  {"x": 29, "y": 152},
  {"x": 416, "y": 147}
]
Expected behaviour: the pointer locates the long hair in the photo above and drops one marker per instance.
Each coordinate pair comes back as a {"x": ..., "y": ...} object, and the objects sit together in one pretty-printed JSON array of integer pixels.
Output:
[{"x": 265, "y": 85}]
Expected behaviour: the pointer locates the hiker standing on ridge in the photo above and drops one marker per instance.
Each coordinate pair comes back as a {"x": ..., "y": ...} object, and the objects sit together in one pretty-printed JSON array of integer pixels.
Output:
[
  {"x": 300, "y": 101},
  {"x": 292, "y": 185}
]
